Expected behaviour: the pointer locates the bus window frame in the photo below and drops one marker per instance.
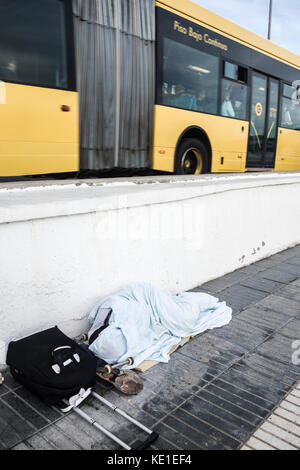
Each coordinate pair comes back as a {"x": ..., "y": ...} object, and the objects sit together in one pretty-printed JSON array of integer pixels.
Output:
[
  {"x": 70, "y": 54},
  {"x": 222, "y": 60},
  {"x": 247, "y": 84},
  {"x": 281, "y": 98},
  {"x": 238, "y": 64},
  {"x": 159, "y": 74}
]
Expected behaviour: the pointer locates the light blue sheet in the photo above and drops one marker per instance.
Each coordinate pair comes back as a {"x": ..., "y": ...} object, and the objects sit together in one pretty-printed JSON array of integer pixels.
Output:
[{"x": 146, "y": 322}]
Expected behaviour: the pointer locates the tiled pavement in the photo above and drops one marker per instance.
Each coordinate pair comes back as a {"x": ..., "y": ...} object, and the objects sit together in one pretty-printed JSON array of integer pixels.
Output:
[
  {"x": 281, "y": 431},
  {"x": 218, "y": 391}
]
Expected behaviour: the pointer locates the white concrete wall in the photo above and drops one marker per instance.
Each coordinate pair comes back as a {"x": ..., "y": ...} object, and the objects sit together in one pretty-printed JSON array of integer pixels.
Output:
[{"x": 65, "y": 246}]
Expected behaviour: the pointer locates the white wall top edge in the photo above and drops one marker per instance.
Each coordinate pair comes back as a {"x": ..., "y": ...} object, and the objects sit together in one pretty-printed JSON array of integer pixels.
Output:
[{"x": 40, "y": 200}]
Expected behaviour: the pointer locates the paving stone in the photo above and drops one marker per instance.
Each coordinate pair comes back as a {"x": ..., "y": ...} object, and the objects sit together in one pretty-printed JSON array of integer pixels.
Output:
[
  {"x": 162, "y": 443},
  {"x": 286, "y": 254},
  {"x": 38, "y": 442},
  {"x": 213, "y": 367},
  {"x": 273, "y": 440},
  {"x": 219, "y": 418},
  {"x": 175, "y": 438},
  {"x": 274, "y": 368},
  {"x": 293, "y": 251},
  {"x": 263, "y": 318},
  {"x": 260, "y": 377},
  {"x": 237, "y": 400},
  {"x": 24, "y": 410},
  {"x": 281, "y": 433},
  {"x": 245, "y": 336},
  {"x": 219, "y": 347},
  {"x": 90, "y": 436},
  {"x": 291, "y": 268},
  {"x": 244, "y": 394},
  {"x": 188, "y": 371},
  {"x": 267, "y": 263},
  {"x": 290, "y": 407},
  {"x": 278, "y": 348},
  {"x": 296, "y": 283},
  {"x": 281, "y": 305},
  {"x": 22, "y": 446},
  {"x": 256, "y": 444},
  {"x": 188, "y": 359},
  {"x": 261, "y": 284},
  {"x": 232, "y": 408},
  {"x": 208, "y": 349},
  {"x": 277, "y": 274},
  {"x": 9, "y": 381},
  {"x": 219, "y": 434},
  {"x": 291, "y": 330},
  {"x": 48, "y": 412},
  {"x": 228, "y": 280},
  {"x": 13, "y": 428},
  {"x": 284, "y": 424},
  {"x": 294, "y": 260},
  {"x": 251, "y": 384},
  {"x": 167, "y": 392},
  {"x": 207, "y": 438},
  {"x": 129, "y": 405},
  {"x": 287, "y": 415},
  {"x": 4, "y": 389},
  {"x": 58, "y": 439},
  {"x": 291, "y": 291},
  {"x": 292, "y": 399},
  {"x": 239, "y": 297}
]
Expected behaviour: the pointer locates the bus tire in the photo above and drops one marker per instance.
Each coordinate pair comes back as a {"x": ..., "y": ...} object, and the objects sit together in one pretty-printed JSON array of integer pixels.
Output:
[{"x": 191, "y": 158}]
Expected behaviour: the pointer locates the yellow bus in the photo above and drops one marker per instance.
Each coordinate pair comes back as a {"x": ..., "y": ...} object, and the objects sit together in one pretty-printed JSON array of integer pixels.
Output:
[
  {"x": 38, "y": 98},
  {"x": 226, "y": 98},
  {"x": 165, "y": 85}
]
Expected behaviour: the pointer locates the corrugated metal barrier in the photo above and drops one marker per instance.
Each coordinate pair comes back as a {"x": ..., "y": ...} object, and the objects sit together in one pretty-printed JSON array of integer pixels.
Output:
[{"x": 115, "y": 50}]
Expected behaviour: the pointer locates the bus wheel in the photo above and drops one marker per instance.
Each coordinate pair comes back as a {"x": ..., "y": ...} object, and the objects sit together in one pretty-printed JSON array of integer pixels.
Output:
[{"x": 191, "y": 158}]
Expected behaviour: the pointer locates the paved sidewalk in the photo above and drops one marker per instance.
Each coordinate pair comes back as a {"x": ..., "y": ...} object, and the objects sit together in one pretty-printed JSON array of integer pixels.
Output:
[
  {"x": 281, "y": 431},
  {"x": 228, "y": 388}
]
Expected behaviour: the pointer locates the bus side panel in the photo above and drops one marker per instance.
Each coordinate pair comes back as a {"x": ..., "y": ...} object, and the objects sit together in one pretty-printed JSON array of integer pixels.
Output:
[
  {"x": 36, "y": 135},
  {"x": 228, "y": 138},
  {"x": 288, "y": 150}
]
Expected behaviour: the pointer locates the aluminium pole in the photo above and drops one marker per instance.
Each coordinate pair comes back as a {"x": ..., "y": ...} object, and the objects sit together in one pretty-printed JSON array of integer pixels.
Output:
[
  {"x": 118, "y": 25},
  {"x": 270, "y": 19}
]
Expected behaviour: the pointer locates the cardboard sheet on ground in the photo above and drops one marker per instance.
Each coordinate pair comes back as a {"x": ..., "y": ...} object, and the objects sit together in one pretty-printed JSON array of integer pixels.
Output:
[{"x": 146, "y": 365}]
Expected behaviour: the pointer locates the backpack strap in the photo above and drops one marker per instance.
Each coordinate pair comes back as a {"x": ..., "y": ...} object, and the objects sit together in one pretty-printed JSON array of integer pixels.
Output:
[{"x": 97, "y": 332}]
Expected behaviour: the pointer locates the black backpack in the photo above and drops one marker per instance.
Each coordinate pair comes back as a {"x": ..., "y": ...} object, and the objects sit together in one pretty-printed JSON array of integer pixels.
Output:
[{"x": 51, "y": 365}]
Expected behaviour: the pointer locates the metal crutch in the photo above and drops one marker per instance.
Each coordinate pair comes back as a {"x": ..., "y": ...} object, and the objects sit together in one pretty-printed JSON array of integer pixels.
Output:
[{"x": 74, "y": 401}]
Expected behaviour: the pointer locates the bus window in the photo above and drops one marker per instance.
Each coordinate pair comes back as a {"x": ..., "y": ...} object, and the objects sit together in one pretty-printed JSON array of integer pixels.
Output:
[
  {"x": 235, "y": 72},
  {"x": 190, "y": 78},
  {"x": 234, "y": 100},
  {"x": 33, "y": 43},
  {"x": 234, "y": 92},
  {"x": 290, "y": 109}
]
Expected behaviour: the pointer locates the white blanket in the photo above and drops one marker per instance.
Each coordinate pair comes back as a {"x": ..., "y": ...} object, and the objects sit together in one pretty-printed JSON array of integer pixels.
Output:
[{"x": 146, "y": 322}]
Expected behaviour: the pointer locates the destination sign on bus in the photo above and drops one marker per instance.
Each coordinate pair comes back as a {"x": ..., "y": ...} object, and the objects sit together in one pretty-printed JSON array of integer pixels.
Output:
[{"x": 197, "y": 36}]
